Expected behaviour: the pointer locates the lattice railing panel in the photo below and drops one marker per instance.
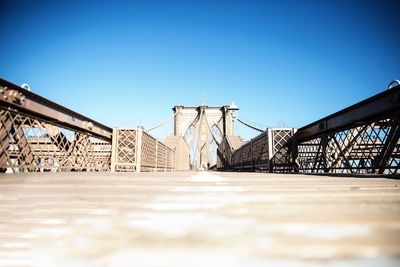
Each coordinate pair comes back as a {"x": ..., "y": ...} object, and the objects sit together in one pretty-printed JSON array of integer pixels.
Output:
[
  {"x": 372, "y": 147},
  {"x": 102, "y": 154},
  {"x": 15, "y": 149},
  {"x": 125, "y": 143},
  {"x": 149, "y": 149},
  {"x": 280, "y": 138},
  {"x": 257, "y": 154},
  {"x": 170, "y": 160},
  {"x": 136, "y": 150},
  {"x": 353, "y": 150},
  {"x": 126, "y": 146},
  {"x": 279, "y": 161},
  {"x": 32, "y": 144},
  {"x": 260, "y": 154},
  {"x": 161, "y": 156}
]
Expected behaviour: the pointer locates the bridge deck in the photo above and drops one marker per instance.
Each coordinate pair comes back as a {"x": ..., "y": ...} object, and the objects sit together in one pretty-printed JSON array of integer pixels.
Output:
[{"x": 198, "y": 219}]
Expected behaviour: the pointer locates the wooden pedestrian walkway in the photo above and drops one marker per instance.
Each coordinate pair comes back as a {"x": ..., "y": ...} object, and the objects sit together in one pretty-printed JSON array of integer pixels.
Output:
[{"x": 198, "y": 219}]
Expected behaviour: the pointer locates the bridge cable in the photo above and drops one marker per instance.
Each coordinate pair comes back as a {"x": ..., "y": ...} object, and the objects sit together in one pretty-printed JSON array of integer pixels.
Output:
[
  {"x": 161, "y": 123},
  {"x": 250, "y": 126},
  {"x": 198, "y": 137},
  {"x": 212, "y": 134},
  {"x": 192, "y": 123}
]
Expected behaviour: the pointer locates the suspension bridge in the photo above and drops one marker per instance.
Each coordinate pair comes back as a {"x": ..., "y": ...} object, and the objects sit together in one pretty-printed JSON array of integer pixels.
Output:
[{"x": 79, "y": 193}]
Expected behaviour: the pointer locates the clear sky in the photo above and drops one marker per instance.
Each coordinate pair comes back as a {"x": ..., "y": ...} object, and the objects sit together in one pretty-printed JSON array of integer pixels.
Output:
[{"x": 126, "y": 62}]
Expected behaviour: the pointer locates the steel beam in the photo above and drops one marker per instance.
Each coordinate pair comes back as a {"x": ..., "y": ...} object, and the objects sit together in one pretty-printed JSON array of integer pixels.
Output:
[
  {"x": 388, "y": 147},
  {"x": 17, "y": 99},
  {"x": 370, "y": 109}
]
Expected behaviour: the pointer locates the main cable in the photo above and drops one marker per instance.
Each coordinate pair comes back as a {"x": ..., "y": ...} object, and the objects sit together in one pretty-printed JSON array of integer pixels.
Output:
[
  {"x": 161, "y": 123},
  {"x": 250, "y": 126}
]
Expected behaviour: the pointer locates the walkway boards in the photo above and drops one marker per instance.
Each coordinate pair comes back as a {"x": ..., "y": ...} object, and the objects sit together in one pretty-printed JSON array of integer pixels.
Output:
[{"x": 198, "y": 219}]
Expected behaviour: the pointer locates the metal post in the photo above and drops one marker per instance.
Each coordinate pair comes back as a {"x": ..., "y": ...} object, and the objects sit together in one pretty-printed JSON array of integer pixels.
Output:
[
  {"x": 155, "y": 169},
  {"x": 114, "y": 149},
  {"x": 165, "y": 159},
  {"x": 138, "y": 150},
  {"x": 270, "y": 139}
]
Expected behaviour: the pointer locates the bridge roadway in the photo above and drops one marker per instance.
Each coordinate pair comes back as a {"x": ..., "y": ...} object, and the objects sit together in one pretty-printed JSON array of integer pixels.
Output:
[{"x": 198, "y": 219}]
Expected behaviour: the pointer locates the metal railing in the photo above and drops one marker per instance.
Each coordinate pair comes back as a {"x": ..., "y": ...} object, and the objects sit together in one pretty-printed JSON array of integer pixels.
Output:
[
  {"x": 363, "y": 138},
  {"x": 255, "y": 154},
  {"x": 136, "y": 150},
  {"x": 37, "y": 134},
  {"x": 371, "y": 147}
]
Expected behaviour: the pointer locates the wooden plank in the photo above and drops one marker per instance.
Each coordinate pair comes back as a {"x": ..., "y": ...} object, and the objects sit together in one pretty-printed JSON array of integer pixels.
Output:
[{"x": 198, "y": 218}]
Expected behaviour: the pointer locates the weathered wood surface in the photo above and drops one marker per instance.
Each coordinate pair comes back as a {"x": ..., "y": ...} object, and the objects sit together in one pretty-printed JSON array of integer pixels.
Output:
[{"x": 198, "y": 219}]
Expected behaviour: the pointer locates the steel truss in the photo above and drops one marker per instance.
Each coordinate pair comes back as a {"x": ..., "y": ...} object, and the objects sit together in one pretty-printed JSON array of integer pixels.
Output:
[
  {"x": 369, "y": 148},
  {"x": 31, "y": 144},
  {"x": 39, "y": 135},
  {"x": 363, "y": 138}
]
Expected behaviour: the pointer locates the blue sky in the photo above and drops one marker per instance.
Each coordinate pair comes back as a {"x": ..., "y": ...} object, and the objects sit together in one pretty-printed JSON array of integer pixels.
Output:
[{"x": 126, "y": 62}]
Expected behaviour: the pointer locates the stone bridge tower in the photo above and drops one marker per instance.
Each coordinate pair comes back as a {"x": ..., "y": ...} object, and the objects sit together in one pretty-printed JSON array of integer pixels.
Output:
[{"x": 202, "y": 126}]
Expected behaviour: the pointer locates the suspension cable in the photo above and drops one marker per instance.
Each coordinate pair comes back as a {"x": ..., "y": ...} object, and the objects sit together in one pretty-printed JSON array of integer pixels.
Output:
[
  {"x": 250, "y": 126},
  {"x": 198, "y": 136},
  {"x": 161, "y": 123},
  {"x": 212, "y": 134},
  {"x": 193, "y": 123}
]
